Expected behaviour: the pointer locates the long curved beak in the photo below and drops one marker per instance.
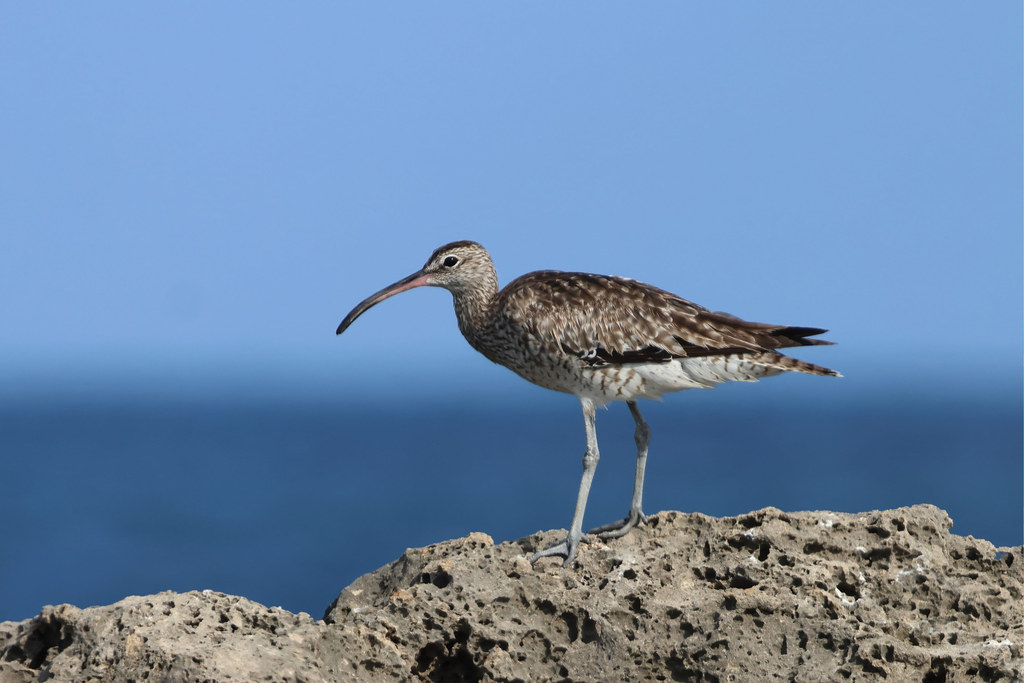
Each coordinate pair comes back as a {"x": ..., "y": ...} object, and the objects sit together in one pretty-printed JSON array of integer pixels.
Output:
[{"x": 417, "y": 279}]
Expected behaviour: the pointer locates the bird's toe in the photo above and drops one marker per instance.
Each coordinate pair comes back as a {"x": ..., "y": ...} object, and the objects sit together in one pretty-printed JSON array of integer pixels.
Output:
[
  {"x": 621, "y": 527},
  {"x": 566, "y": 549}
]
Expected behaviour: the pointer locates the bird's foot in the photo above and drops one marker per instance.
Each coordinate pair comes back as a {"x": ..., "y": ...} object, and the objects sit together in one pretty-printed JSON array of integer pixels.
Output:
[
  {"x": 621, "y": 527},
  {"x": 566, "y": 549}
]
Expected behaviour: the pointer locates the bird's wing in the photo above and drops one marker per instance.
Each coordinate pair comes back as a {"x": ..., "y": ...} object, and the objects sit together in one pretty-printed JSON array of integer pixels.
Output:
[{"x": 612, "y": 320}]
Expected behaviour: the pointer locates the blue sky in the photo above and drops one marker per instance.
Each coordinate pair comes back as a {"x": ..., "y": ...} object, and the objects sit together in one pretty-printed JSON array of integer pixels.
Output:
[{"x": 192, "y": 189}]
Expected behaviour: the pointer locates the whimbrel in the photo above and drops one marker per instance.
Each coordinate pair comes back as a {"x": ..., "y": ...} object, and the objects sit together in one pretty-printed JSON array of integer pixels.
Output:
[{"x": 602, "y": 338}]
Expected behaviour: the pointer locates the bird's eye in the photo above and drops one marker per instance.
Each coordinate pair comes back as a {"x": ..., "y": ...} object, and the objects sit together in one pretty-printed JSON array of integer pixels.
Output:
[{"x": 449, "y": 262}]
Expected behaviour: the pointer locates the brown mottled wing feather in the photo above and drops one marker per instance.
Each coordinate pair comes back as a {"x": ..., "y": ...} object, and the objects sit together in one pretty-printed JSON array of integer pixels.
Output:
[{"x": 612, "y": 320}]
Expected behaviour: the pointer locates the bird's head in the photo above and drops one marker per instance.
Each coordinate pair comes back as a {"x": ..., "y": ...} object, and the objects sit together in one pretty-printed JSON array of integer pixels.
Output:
[{"x": 458, "y": 267}]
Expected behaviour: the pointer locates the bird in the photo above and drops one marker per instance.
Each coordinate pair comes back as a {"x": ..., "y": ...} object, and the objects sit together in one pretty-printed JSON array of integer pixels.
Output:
[{"x": 601, "y": 338}]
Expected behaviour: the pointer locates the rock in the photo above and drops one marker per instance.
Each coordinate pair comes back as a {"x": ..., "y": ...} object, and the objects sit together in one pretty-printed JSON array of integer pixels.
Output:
[
  {"x": 809, "y": 596},
  {"x": 170, "y": 636}
]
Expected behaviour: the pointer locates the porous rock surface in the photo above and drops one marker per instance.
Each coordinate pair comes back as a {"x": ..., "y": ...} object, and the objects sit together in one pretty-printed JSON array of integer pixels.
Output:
[{"x": 809, "y": 596}]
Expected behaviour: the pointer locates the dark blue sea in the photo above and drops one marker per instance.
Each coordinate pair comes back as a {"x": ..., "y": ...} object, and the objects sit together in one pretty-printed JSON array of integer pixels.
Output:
[{"x": 287, "y": 500}]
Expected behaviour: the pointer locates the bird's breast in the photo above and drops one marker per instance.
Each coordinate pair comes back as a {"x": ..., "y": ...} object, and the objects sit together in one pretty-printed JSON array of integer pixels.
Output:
[{"x": 552, "y": 367}]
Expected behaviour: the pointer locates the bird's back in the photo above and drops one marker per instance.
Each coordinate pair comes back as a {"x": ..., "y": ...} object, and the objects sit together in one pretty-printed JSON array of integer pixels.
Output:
[{"x": 616, "y": 338}]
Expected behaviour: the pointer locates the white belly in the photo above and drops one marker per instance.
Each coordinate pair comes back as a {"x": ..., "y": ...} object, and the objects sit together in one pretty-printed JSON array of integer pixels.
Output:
[{"x": 653, "y": 380}]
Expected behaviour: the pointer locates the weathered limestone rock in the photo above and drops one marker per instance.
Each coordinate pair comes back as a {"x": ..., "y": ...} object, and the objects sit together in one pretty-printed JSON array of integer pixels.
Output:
[{"x": 809, "y": 596}]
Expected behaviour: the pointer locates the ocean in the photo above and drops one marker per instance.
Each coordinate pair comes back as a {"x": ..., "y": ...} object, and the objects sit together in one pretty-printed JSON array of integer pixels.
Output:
[{"x": 287, "y": 500}]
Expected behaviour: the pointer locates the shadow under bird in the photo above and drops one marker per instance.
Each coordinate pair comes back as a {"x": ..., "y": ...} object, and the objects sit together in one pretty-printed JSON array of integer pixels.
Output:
[{"x": 601, "y": 338}]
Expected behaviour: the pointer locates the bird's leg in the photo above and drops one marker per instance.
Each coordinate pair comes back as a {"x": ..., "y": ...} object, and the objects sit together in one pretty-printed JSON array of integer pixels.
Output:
[
  {"x": 642, "y": 436},
  {"x": 567, "y": 548}
]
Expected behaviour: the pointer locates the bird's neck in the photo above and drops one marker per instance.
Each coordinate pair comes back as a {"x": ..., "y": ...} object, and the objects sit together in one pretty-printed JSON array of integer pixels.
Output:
[{"x": 474, "y": 307}]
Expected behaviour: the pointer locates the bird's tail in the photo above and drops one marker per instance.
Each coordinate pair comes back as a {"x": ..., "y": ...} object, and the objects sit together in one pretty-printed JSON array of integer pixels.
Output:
[
  {"x": 787, "y": 364},
  {"x": 798, "y": 336}
]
